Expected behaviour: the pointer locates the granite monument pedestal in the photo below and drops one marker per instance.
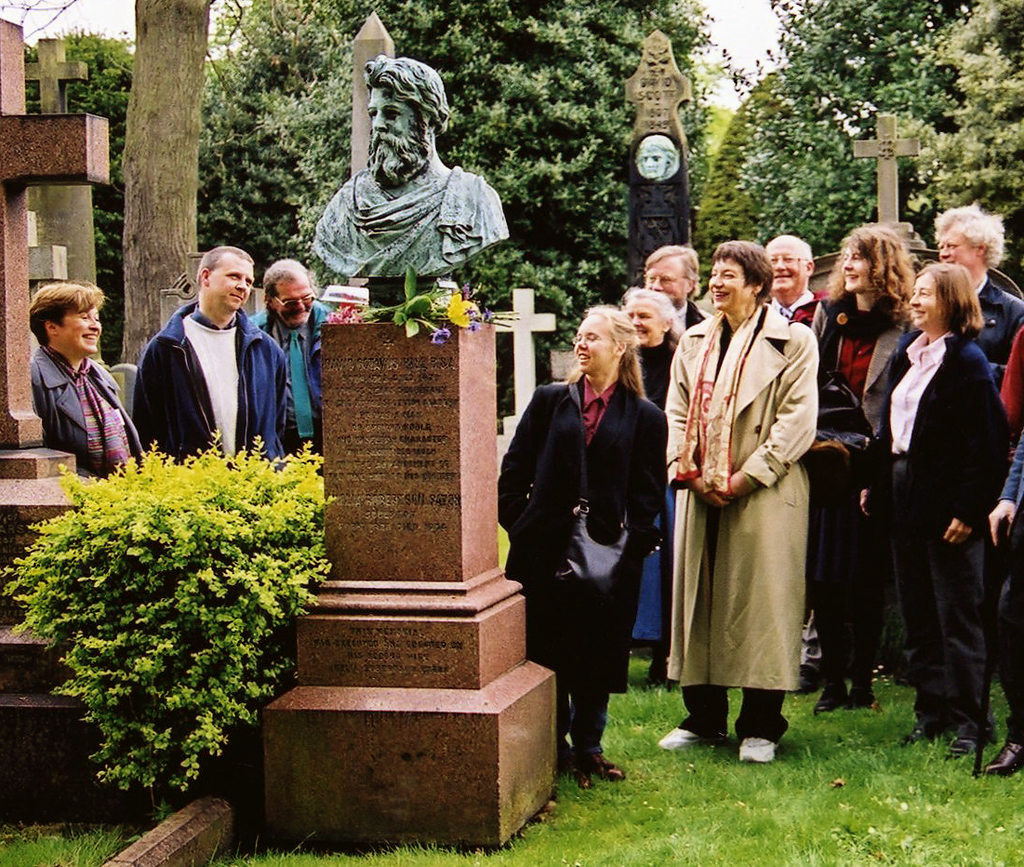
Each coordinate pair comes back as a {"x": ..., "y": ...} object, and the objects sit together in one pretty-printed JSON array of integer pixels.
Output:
[{"x": 417, "y": 717}]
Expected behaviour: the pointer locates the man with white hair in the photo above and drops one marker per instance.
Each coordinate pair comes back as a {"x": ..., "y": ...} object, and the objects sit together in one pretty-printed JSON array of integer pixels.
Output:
[
  {"x": 974, "y": 239},
  {"x": 674, "y": 270},
  {"x": 792, "y": 267}
]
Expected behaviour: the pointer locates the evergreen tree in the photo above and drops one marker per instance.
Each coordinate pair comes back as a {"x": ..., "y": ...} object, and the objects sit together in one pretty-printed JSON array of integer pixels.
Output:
[
  {"x": 538, "y": 109},
  {"x": 982, "y": 158},
  {"x": 844, "y": 62}
]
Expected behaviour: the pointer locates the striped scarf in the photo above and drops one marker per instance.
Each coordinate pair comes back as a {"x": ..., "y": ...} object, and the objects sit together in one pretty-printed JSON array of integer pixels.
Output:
[
  {"x": 106, "y": 439},
  {"x": 706, "y": 450}
]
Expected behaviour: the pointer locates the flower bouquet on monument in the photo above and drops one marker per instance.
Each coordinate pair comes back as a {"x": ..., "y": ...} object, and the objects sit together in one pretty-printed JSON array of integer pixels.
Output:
[{"x": 435, "y": 311}]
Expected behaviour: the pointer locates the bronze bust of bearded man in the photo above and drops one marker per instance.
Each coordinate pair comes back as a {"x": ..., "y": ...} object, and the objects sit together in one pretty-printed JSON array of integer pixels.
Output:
[{"x": 407, "y": 209}]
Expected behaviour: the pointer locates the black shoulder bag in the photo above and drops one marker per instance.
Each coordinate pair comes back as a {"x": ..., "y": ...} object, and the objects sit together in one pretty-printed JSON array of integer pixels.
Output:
[{"x": 589, "y": 566}]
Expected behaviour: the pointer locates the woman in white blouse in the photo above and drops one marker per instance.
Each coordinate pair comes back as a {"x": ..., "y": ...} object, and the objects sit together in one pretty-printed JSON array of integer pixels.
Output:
[{"x": 944, "y": 431}]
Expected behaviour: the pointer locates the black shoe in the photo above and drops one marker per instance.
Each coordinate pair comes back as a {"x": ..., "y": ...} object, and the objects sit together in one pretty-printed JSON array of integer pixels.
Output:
[
  {"x": 962, "y": 747},
  {"x": 1008, "y": 761},
  {"x": 862, "y": 696},
  {"x": 595, "y": 764},
  {"x": 919, "y": 733},
  {"x": 808, "y": 680},
  {"x": 833, "y": 696}
]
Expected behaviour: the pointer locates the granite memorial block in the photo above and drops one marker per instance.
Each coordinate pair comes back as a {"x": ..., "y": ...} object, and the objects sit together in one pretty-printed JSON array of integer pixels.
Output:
[{"x": 417, "y": 716}]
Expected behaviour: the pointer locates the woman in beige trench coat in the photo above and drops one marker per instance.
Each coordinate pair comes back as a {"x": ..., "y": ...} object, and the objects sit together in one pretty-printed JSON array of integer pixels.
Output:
[{"x": 742, "y": 410}]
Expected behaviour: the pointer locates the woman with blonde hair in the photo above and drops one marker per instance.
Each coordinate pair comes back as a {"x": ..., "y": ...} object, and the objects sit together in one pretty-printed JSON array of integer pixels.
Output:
[
  {"x": 594, "y": 437},
  {"x": 858, "y": 328}
]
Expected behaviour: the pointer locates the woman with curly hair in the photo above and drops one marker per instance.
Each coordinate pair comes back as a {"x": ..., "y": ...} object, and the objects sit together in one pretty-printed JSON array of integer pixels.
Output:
[{"x": 858, "y": 329}]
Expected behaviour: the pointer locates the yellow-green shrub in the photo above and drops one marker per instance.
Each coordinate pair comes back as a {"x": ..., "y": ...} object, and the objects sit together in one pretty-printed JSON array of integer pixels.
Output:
[{"x": 171, "y": 587}]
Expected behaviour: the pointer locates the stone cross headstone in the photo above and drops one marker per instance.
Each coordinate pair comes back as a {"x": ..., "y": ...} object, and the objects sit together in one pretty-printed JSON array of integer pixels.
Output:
[
  {"x": 38, "y": 732},
  {"x": 659, "y": 192},
  {"x": 371, "y": 40},
  {"x": 64, "y": 213},
  {"x": 45, "y": 263},
  {"x": 885, "y": 148},
  {"x": 523, "y": 327},
  {"x": 33, "y": 149},
  {"x": 417, "y": 717}
]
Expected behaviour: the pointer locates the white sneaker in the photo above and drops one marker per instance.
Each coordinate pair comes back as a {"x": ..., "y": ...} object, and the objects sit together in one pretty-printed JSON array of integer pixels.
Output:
[
  {"x": 680, "y": 739},
  {"x": 757, "y": 750}
]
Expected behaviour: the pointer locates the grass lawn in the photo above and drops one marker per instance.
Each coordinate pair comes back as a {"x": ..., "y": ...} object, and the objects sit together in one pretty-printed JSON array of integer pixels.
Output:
[
  {"x": 59, "y": 845},
  {"x": 842, "y": 792}
]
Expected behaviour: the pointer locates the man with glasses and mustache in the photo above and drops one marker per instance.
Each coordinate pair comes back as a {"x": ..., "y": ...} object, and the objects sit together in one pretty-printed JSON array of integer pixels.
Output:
[
  {"x": 407, "y": 209},
  {"x": 293, "y": 318}
]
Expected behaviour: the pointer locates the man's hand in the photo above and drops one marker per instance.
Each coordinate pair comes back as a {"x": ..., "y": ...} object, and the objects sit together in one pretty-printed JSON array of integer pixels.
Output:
[
  {"x": 957, "y": 532},
  {"x": 999, "y": 520}
]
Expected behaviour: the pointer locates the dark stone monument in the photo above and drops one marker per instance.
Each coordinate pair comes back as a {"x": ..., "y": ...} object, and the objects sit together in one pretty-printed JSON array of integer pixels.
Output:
[
  {"x": 45, "y": 772},
  {"x": 417, "y": 717},
  {"x": 659, "y": 191}
]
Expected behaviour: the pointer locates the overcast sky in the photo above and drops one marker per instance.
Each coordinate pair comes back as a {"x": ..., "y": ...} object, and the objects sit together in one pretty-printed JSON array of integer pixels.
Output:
[{"x": 747, "y": 29}]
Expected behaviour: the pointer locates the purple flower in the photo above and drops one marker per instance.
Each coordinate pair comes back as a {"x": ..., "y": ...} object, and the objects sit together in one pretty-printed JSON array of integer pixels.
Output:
[
  {"x": 440, "y": 336},
  {"x": 474, "y": 325},
  {"x": 488, "y": 315},
  {"x": 466, "y": 292}
]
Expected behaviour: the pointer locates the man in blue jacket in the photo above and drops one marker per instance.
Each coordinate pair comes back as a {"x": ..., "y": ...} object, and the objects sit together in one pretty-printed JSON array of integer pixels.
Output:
[
  {"x": 293, "y": 318},
  {"x": 211, "y": 371}
]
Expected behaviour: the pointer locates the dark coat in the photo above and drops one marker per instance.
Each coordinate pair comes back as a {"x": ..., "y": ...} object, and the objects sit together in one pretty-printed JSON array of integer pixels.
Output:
[
  {"x": 56, "y": 402},
  {"x": 172, "y": 406},
  {"x": 958, "y": 447},
  {"x": 585, "y": 642},
  {"x": 1004, "y": 316}
]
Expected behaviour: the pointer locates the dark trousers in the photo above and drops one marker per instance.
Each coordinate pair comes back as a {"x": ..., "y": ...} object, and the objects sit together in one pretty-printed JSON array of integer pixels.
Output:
[
  {"x": 760, "y": 714},
  {"x": 847, "y": 649},
  {"x": 581, "y": 715},
  {"x": 1011, "y": 634},
  {"x": 940, "y": 588}
]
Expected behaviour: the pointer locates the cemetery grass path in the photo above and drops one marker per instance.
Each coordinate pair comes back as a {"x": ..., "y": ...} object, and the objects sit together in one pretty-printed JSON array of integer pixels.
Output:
[{"x": 842, "y": 792}]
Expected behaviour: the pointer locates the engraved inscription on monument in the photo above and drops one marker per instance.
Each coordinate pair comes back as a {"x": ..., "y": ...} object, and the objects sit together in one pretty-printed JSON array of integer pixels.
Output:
[{"x": 395, "y": 415}]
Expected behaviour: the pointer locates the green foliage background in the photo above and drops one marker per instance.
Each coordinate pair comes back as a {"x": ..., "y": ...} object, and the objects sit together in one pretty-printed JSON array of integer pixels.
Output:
[
  {"x": 538, "y": 108},
  {"x": 171, "y": 587}
]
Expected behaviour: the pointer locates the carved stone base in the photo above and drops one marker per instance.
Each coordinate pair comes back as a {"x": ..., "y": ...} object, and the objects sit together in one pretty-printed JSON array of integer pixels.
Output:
[{"x": 445, "y": 766}]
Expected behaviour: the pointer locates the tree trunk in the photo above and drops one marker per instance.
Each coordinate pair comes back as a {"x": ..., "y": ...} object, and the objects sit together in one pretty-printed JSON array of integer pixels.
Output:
[{"x": 161, "y": 158}]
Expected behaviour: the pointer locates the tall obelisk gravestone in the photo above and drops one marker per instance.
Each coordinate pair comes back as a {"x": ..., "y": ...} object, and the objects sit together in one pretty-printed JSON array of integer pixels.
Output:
[
  {"x": 63, "y": 212},
  {"x": 659, "y": 186},
  {"x": 45, "y": 773}
]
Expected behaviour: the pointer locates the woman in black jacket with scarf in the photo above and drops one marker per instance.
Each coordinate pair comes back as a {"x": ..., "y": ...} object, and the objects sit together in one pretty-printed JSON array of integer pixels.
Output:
[
  {"x": 584, "y": 640},
  {"x": 945, "y": 436},
  {"x": 848, "y": 556}
]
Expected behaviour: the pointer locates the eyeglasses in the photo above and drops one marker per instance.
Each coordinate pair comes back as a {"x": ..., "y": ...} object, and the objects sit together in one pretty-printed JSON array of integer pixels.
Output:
[
  {"x": 786, "y": 259},
  {"x": 295, "y": 304}
]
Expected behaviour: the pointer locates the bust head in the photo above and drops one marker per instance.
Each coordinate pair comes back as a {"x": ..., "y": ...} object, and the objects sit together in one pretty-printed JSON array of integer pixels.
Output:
[{"x": 407, "y": 106}]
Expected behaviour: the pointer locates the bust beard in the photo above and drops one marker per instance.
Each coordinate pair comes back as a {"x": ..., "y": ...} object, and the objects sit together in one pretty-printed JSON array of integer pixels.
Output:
[{"x": 395, "y": 160}]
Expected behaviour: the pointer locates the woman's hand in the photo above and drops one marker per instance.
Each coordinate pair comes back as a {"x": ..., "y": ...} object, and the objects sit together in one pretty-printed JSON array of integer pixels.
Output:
[
  {"x": 712, "y": 498},
  {"x": 999, "y": 520},
  {"x": 740, "y": 485},
  {"x": 956, "y": 533},
  {"x": 864, "y": 496}
]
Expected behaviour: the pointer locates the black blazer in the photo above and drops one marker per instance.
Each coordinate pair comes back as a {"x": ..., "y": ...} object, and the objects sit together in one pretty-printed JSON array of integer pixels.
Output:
[
  {"x": 537, "y": 491},
  {"x": 958, "y": 446},
  {"x": 1004, "y": 316}
]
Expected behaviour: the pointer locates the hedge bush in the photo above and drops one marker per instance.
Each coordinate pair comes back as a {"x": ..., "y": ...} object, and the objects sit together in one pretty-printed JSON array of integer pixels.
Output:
[{"x": 172, "y": 588}]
